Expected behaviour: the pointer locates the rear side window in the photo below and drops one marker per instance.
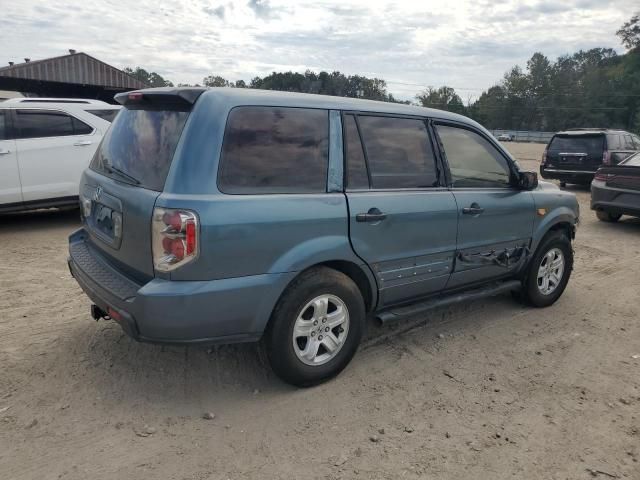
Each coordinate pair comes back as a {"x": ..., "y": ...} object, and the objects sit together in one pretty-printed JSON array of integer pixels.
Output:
[
  {"x": 399, "y": 153},
  {"x": 578, "y": 144},
  {"x": 356, "y": 165},
  {"x": 275, "y": 150},
  {"x": 636, "y": 141},
  {"x": 473, "y": 161},
  {"x": 139, "y": 146},
  {"x": 614, "y": 142},
  {"x": 48, "y": 123},
  {"x": 628, "y": 143},
  {"x": 3, "y": 125},
  {"x": 107, "y": 115}
]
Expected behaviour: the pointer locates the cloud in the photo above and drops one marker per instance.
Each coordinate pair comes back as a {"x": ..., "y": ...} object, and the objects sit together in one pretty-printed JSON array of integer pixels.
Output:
[
  {"x": 262, "y": 8},
  {"x": 467, "y": 44}
]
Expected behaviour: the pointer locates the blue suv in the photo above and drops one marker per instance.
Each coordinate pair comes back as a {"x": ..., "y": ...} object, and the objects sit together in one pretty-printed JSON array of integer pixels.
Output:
[{"x": 233, "y": 215}]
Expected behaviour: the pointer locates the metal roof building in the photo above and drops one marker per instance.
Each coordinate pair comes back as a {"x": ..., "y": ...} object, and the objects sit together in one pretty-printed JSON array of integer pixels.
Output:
[{"x": 74, "y": 75}]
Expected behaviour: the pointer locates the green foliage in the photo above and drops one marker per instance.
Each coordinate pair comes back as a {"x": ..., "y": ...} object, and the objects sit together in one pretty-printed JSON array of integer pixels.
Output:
[
  {"x": 152, "y": 79},
  {"x": 630, "y": 33},
  {"x": 443, "y": 98}
]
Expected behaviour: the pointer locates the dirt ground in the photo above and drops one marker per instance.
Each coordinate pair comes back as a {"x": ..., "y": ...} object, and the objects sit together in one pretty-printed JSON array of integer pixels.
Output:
[{"x": 488, "y": 390}]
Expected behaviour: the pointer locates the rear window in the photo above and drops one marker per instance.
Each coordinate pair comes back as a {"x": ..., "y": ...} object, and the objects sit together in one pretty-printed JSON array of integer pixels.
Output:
[
  {"x": 139, "y": 147},
  {"x": 633, "y": 161},
  {"x": 578, "y": 144},
  {"x": 275, "y": 150},
  {"x": 107, "y": 115}
]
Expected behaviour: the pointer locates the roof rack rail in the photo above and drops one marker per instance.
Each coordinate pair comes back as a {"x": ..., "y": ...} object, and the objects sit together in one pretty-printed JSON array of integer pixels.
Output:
[{"x": 82, "y": 101}]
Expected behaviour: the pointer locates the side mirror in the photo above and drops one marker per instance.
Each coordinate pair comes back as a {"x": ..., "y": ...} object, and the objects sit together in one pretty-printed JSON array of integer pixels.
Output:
[{"x": 528, "y": 180}]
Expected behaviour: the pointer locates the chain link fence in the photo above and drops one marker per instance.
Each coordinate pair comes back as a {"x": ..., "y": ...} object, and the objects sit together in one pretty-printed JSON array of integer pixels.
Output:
[{"x": 527, "y": 136}]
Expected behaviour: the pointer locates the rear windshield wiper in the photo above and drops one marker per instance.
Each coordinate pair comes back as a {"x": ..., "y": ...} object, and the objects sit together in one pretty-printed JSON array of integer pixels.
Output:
[{"x": 111, "y": 169}]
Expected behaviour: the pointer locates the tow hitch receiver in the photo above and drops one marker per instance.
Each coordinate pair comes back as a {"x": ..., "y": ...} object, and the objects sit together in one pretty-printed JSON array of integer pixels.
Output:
[{"x": 97, "y": 313}]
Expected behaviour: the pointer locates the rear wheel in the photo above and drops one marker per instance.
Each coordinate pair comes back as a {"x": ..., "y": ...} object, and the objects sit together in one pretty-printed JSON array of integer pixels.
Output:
[
  {"x": 316, "y": 327},
  {"x": 605, "y": 216},
  {"x": 563, "y": 184},
  {"x": 549, "y": 270}
]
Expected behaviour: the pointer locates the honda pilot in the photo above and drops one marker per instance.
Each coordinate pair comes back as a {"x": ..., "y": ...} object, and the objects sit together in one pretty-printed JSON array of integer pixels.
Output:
[{"x": 232, "y": 215}]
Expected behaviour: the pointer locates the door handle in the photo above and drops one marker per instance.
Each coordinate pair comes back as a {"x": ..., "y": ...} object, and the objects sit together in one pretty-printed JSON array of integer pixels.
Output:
[
  {"x": 473, "y": 209},
  {"x": 82, "y": 143},
  {"x": 5, "y": 152},
  {"x": 372, "y": 216}
]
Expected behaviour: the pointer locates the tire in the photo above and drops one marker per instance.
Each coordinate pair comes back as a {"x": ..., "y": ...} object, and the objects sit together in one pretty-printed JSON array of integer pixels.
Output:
[
  {"x": 535, "y": 292},
  {"x": 303, "y": 303},
  {"x": 563, "y": 184},
  {"x": 605, "y": 216}
]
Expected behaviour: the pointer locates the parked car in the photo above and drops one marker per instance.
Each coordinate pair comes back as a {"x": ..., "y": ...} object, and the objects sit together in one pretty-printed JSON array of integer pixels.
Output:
[
  {"x": 615, "y": 190},
  {"x": 233, "y": 215},
  {"x": 574, "y": 156},
  {"x": 45, "y": 144},
  {"x": 505, "y": 137}
]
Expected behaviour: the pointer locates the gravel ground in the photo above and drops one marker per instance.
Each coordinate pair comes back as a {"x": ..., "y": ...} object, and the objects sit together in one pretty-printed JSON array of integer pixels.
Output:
[{"x": 486, "y": 390}]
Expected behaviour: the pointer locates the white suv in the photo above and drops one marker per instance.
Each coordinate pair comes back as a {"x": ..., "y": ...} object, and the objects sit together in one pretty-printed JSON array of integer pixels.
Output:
[{"x": 45, "y": 144}]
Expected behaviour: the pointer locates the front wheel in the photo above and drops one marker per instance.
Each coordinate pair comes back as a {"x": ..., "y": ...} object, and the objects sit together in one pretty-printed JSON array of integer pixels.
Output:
[
  {"x": 315, "y": 328},
  {"x": 549, "y": 271}
]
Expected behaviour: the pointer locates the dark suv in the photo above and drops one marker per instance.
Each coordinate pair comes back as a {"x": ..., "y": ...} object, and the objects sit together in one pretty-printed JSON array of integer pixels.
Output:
[
  {"x": 232, "y": 215},
  {"x": 575, "y": 155}
]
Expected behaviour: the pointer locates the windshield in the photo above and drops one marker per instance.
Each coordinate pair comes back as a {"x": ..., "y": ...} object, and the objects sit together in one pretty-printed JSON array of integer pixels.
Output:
[
  {"x": 578, "y": 144},
  {"x": 139, "y": 147}
]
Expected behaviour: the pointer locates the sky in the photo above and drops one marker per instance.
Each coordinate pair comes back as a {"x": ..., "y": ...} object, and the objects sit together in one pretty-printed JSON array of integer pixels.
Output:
[{"x": 466, "y": 44}]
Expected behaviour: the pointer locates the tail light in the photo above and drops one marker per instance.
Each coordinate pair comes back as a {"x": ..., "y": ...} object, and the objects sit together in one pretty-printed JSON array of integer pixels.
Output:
[
  {"x": 603, "y": 177},
  {"x": 606, "y": 157},
  {"x": 175, "y": 238},
  {"x": 544, "y": 157}
]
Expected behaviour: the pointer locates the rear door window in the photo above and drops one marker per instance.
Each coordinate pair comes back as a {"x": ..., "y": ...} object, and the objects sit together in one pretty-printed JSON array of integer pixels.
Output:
[
  {"x": 275, "y": 150},
  {"x": 48, "y": 123},
  {"x": 398, "y": 152},
  {"x": 473, "y": 161},
  {"x": 357, "y": 177},
  {"x": 628, "y": 143},
  {"x": 107, "y": 115},
  {"x": 139, "y": 146}
]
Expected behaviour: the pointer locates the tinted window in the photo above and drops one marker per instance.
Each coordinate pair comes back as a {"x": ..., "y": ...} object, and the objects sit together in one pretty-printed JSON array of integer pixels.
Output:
[
  {"x": 275, "y": 150},
  {"x": 473, "y": 161},
  {"x": 140, "y": 143},
  {"x": 628, "y": 143},
  {"x": 636, "y": 141},
  {"x": 578, "y": 144},
  {"x": 356, "y": 166},
  {"x": 3, "y": 127},
  {"x": 399, "y": 153},
  {"x": 80, "y": 128},
  {"x": 46, "y": 123},
  {"x": 107, "y": 115},
  {"x": 614, "y": 142}
]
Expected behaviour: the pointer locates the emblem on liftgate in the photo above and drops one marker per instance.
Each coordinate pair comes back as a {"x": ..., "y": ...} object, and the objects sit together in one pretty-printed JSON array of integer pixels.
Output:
[{"x": 97, "y": 194}]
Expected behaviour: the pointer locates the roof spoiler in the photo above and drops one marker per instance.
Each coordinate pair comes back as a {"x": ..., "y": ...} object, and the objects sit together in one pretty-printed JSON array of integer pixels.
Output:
[{"x": 164, "y": 98}]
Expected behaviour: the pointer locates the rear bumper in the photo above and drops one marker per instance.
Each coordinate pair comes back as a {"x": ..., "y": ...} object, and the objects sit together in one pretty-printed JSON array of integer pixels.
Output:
[
  {"x": 177, "y": 312},
  {"x": 614, "y": 200},
  {"x": 577, "y": 176}
]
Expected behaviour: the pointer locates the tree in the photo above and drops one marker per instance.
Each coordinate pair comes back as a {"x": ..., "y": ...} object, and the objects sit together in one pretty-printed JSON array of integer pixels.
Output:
[
  {"x": 152, "y": 79},
  {"x": 215, "y": 81},
  {"x": 443, "y": 98},
  {"x": 629, "y": 33}
]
